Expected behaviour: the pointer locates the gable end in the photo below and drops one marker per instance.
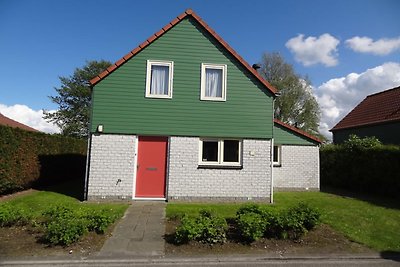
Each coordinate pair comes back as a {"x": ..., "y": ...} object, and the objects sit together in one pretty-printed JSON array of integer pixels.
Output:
[{"x": 166, "y": 28}]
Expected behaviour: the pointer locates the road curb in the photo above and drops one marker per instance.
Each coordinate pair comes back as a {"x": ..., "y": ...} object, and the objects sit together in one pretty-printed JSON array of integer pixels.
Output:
[{"x": 192, "y": 260}]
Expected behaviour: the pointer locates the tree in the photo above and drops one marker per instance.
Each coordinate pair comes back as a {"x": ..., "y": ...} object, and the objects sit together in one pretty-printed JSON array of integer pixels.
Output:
[
  {"x": 74, "y": 100},
  {"x": 296, "y": 104}
]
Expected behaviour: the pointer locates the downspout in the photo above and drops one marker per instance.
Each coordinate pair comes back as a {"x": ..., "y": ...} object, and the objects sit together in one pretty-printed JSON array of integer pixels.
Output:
[
  {"x": 271, "y": 154},
  {"x": 89, "y": 148},
  {"x": 271, "y": 197}
]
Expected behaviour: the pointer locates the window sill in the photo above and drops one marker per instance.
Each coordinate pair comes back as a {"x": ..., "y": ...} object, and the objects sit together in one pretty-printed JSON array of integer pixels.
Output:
[
  {"x": 159, "y": 96},
  {"x": 213, "y": 99},
  {"x": 232, "y": 167},
  {"x": 277, "y": 165}
]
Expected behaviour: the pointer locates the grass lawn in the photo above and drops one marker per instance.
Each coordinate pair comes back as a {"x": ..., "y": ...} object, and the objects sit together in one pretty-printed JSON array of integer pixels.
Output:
[
  {"x": 375, "y": 226},
  {"x": 39, "y": 201}
]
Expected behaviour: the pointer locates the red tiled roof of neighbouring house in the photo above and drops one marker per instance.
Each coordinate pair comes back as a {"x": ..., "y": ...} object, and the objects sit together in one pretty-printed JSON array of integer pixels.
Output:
[
  {"x": 298, "y": 131},
  {"x": 174, "y": 22},
  {"x": 374, "y": 109},
  {"x": 12, "y": 123}
]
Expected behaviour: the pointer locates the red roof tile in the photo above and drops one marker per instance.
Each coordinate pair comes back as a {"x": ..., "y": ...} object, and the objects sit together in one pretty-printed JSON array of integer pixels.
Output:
[
  {"x": 374, "y": 109},
  {"x": 12, "y": 123},
  {"x": 163, "y": 30},
  {"x": 298, "y": 131}
]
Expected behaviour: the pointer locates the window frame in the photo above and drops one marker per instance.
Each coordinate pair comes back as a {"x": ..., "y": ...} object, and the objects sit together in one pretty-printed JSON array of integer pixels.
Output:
[
  {"x": 279, "y": 157},
  {"x": 220, "y": 154},
  {"x": 170, "y": 65},
  {"x": 224, "y": 69}
]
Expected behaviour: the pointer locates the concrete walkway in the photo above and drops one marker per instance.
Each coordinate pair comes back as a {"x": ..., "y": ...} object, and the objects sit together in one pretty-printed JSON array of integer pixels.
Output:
[{"x": 140, "y": 233}]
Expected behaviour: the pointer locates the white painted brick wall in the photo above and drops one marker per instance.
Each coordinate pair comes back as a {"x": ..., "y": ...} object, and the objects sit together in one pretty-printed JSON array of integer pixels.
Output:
[
  {"x": 186, "y": 181},
  {"x": 112, "y": 158},
  {"x": 299, "y": 168}
]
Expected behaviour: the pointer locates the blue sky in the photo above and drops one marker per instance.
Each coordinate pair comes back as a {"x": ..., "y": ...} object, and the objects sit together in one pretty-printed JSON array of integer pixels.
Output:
[{"x": 348, "y": 48}]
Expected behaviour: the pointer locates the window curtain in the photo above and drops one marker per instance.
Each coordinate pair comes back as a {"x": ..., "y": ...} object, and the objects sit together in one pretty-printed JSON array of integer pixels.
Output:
[
  {"x": 159, "y": 80},
  {"x": 213, "y": 83}
]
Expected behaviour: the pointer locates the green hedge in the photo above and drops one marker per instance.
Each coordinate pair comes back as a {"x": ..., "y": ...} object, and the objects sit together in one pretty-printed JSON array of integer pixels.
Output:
[
  {"x": 29, "y": 158},
  {"x": 362, "y": 165}
]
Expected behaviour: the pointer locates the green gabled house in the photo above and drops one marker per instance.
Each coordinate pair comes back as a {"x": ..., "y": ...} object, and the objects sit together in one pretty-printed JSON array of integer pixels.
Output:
[{"x": 183, "y": 116}]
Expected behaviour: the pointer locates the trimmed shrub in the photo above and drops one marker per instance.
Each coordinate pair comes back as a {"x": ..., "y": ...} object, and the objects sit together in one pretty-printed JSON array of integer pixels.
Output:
[
  {"x": 213, "y": 228},
  {"x": 251, "y": 225},
  {"x": 362, "y": 165},
  {"x": 65, "y": 225},
  {"x": 28, "y": 158},
  {"x": 58, "y": 212},
  {"x": 309, "y": 216},
  {"x": 255, "y": 222},
  {"x": 294, "y": 222},
  {"x": 10, "y": 216},
  {"x": 207, "y": 228},
  {"x": 188, "y": 230},
  {"x": 252, "y": 221},
  {"x": 99, "y": 220},
  {"x": 65, "y": 231}
]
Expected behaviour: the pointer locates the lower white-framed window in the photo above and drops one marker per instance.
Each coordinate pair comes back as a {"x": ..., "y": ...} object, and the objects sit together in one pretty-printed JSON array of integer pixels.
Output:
[
  {"x": 220, "y": 152},
  {"x": 277, "y": 155},
  {"x": 159, "y": 79}
]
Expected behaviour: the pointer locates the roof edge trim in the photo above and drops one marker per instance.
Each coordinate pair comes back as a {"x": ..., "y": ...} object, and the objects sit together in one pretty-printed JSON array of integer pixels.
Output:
[
  {"x": 298, "y": 131},
  {"x": 364, "y": 124}
]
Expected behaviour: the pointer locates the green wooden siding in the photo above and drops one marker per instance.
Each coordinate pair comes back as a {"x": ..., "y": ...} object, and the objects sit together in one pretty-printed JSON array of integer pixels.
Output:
[
  {"x": 119, "y": 101},
  {"x": 284, "y": 136}
]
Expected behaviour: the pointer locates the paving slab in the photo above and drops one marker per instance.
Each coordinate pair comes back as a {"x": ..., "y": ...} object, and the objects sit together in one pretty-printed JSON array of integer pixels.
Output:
[{"x": 140, "y": 233}]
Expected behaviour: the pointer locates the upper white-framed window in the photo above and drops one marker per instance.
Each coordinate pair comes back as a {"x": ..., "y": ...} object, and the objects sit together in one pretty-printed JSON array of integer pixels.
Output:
[
  {"x": 213, "y": 82},
  {"x": 220, "y": 152},
  {"x": 159, "y": 79},
  {"x": 277, "y": 155}
]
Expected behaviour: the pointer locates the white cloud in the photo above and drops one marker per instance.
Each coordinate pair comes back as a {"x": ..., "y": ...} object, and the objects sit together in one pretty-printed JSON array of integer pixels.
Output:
[
  {"x": 28, "y": 116},
  {"x": 313, "y": 50},
  {"x": 367, "y": 45},
  {"x": 339, "y": 96}
]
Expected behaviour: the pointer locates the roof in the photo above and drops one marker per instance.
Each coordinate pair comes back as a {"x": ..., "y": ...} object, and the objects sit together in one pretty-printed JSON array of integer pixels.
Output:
[
  {"x": 298, "y": 131},
  {"x": 382, "y": 107},
  {"x": 166, "y": 28},
  {"x": 12, "y": 123}
]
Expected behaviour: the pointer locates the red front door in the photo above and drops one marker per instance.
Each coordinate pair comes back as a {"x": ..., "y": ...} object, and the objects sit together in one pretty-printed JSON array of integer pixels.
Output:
[{"x": 151, "y": 167}]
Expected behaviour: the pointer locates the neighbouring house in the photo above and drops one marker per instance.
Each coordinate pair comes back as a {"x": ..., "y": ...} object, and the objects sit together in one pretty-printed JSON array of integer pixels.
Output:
[
  {"x": 15, "y": 124},
  {"x": 377, "y": 115},
  {"x": 184, "y": 117}
]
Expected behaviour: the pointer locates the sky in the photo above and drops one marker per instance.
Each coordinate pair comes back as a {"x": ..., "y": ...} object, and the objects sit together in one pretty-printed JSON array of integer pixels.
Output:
[{"x": 347, "y": 48}]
